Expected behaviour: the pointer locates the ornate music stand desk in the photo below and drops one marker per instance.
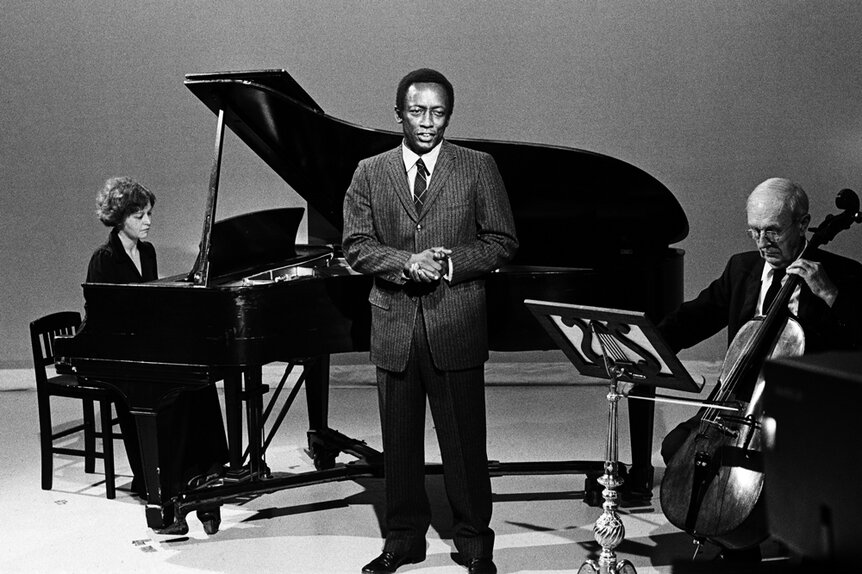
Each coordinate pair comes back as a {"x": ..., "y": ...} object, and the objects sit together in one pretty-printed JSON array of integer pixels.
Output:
[{"x": 625, "y": 348}]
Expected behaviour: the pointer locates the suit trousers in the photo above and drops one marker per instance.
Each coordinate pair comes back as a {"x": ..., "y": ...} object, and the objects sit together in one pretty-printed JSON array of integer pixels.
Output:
[{"x": 457, "y": 400}]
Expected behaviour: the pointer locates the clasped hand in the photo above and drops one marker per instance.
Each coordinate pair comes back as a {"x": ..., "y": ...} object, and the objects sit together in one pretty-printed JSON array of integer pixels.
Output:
[{"x": 429, "y": 265}]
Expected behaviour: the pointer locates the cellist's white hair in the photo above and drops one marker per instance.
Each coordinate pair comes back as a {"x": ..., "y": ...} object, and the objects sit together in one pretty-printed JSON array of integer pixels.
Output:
[{"x": 794, "y": 196}]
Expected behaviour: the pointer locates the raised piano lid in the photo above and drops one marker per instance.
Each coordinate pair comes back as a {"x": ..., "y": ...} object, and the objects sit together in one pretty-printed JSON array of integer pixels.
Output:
[
  {"x": 244, "y": 244},
  {"x": 571, "y": 207}
]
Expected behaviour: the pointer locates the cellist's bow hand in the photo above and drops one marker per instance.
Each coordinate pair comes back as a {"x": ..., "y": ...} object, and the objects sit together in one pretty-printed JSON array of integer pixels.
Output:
[
  {"x": 624, "y": 388},
  {"x": 815, "y": 276}
]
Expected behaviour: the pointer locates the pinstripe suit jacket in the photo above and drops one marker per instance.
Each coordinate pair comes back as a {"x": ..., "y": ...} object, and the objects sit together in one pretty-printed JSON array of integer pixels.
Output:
[{"x": 466, "y": 210}]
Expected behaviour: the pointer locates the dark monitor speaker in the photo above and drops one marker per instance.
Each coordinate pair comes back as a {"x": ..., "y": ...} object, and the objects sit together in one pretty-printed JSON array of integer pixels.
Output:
[{"x": 813, "y": 454}]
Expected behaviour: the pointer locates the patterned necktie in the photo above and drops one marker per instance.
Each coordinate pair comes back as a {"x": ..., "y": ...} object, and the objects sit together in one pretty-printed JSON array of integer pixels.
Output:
[
  {"x": 420, "y": 185},
  {"x": 774, "y": 287}
]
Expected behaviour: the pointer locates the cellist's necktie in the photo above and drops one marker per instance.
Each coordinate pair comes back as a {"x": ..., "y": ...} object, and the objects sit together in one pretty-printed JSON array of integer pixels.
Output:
[
  {"x": 774, "y": 287},
  {"x": 420, "y": 185}
]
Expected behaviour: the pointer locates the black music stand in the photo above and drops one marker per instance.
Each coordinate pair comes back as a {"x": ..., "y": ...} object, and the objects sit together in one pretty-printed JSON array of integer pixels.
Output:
[{"x": 623, "y": 347}]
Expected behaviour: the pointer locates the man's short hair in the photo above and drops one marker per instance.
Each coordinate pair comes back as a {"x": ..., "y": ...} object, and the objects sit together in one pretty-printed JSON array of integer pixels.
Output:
[{"x": 424, "y": 76}]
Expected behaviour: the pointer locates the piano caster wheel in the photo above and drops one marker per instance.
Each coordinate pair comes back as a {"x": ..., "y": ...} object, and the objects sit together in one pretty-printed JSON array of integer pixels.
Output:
[
  {"x": 211, "y": 519},
  {"x": 324, "y": 460}
]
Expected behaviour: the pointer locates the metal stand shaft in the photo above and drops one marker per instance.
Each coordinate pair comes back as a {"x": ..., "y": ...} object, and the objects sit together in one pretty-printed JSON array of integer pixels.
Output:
[{"x": 609, "y": 530}]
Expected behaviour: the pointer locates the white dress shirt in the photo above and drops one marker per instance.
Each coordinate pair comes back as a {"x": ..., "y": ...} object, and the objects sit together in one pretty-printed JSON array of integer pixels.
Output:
[
  {"x": 410, "y": 159},
  {"x": 430, "y": 160},
  {"x": 766, "y": 280}
]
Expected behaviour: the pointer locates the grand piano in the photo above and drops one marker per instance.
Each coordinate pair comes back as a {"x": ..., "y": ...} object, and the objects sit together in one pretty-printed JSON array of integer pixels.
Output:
[{"x": 593, "y": 230}]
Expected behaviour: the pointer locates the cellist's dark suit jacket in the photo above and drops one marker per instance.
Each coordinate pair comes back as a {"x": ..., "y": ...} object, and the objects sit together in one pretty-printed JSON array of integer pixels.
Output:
[
  {"x": 731, "y": 301},
  {"x": 442, "y": 323}
]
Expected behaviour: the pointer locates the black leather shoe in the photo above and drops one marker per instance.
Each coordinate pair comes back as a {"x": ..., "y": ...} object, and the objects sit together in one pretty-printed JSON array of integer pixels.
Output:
[
  {"x": 177, "y": 528},
  {"x": 389, "y": 562},
  {"x": 481, "y": 566}
]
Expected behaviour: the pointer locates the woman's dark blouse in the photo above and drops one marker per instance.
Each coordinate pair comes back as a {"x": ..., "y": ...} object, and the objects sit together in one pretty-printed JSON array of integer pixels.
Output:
[{"x": 111, "y": 264}]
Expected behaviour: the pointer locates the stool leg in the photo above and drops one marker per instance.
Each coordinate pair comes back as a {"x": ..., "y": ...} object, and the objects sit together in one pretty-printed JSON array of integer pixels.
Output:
[
  {"x": 46, "y": 439},
  {"x": 108, "y": 448},
  {"x": 89, "y": 436}
]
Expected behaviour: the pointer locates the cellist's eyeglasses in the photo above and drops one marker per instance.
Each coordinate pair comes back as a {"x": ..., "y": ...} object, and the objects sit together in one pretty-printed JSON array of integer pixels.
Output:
[{"x": 771, "y": 235}]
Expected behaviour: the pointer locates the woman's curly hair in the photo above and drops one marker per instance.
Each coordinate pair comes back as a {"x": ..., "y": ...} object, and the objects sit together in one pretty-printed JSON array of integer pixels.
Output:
[{"x": 121, "y": 197}]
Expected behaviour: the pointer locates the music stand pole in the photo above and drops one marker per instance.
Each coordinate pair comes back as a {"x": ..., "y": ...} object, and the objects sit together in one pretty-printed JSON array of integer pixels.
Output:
[
  {"x": 609, "y": 530},
  {"x": 623, "y": 347}
]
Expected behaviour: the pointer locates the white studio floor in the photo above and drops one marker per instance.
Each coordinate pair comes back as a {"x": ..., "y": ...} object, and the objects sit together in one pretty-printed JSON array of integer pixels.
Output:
[{"x": 536, "y": 412}]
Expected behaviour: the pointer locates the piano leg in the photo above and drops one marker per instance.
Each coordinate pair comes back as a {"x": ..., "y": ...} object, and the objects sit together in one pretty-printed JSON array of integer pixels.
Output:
[
  {"x": 317, "y": 391},
  {"x": 244, "y": 385},
  {"x": 316, "y": 372},
  {"x": 641, "y": 418},
  {"x": 160, "y": 508},
  {"x": 253, "y": 391},
  {"x": 233, "y": 418},
  {"x": 324, "y": 443}
]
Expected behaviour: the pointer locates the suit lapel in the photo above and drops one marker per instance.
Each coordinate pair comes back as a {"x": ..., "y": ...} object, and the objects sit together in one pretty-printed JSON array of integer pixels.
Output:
[
  {"x": 752, "y": 289},
  {"x": 444, "y": 168},
  {"x": 398, "y": 176}
]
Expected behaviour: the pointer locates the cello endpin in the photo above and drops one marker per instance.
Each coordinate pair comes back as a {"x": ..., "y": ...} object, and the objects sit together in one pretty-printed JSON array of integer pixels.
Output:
[{"x": 698, "y": 546}]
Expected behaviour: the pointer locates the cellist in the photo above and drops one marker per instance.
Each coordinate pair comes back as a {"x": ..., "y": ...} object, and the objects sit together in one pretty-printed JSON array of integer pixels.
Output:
[{"x": 827, "y": 303}]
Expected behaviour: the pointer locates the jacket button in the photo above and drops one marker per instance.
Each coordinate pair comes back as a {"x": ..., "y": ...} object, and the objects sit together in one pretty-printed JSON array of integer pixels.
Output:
[{"x": 418, "y": 226}]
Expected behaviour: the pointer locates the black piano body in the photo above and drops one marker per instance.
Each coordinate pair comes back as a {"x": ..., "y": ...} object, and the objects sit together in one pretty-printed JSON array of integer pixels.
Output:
[{"x": 593, "y": 230}]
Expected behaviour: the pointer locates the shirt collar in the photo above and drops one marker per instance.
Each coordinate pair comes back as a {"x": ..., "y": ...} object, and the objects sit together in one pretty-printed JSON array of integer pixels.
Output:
[
  {"x": 769, "y": 270},
  {"x": 430, "y": 158}
]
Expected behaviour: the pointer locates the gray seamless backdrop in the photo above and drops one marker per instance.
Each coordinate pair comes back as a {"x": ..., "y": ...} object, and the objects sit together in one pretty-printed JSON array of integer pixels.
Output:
[{"x": 709, "y": 97}]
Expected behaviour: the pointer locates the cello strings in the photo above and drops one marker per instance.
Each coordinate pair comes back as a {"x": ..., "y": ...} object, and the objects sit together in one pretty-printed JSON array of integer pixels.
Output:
[{"x": 747, "y": 360}]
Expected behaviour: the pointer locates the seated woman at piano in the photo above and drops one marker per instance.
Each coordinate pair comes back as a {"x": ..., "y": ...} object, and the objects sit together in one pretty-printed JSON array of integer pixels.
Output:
[{"x": 198, "y": 447}]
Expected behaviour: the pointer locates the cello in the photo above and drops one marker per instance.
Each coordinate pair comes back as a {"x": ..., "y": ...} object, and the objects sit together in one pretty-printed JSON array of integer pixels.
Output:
[{"x": 712, "y": 485}]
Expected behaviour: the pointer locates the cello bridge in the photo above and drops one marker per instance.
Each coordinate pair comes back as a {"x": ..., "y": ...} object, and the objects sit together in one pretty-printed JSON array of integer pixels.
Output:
[{"x": 722, "y": 428}]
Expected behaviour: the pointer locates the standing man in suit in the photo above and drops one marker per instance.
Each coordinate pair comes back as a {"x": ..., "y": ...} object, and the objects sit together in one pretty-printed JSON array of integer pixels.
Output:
[
  {"x": 827, "y": 302},
  {"x": 429, "y": 220}
]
